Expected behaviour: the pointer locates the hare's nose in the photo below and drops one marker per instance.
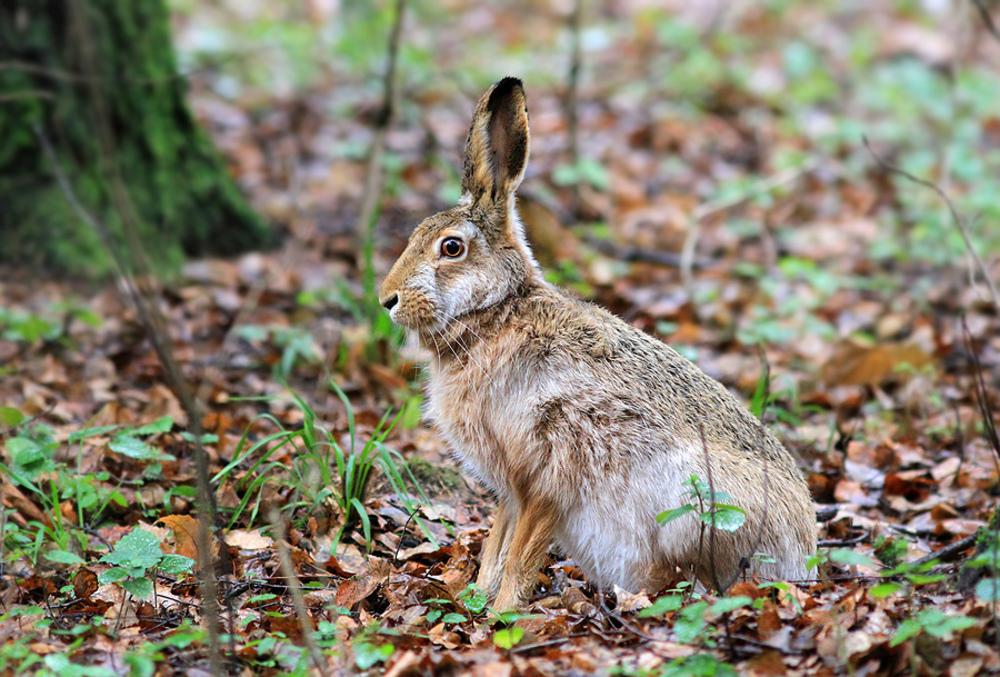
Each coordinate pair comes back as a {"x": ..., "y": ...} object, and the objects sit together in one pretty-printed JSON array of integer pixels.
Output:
[{"x": 390, "y": 302}]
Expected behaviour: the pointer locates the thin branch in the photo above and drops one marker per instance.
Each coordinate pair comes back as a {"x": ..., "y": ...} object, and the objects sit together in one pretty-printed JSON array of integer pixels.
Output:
[
  {"x": 573, "y": 93},
  {"x": 984, "y": 14},
  {"x": 373, "y": 171},
  {"x": 955, "y": 216},
  {"x": 298, "y": 600},
  {"x": 711, "y": 507}
]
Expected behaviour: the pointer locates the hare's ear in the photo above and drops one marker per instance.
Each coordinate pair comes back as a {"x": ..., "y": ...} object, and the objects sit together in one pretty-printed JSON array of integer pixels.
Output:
[{"x": 496, "y": 151}]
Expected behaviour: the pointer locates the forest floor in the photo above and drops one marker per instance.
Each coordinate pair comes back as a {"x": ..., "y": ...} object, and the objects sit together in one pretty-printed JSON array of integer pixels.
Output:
[{"x": 849, "y": 283}]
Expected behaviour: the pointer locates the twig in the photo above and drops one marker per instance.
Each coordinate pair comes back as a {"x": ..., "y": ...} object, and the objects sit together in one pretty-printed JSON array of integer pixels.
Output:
[
  {"x": 984, "y": 14},
  {"x": 522, "y": 648},
  {"x": 298, "y": 600},
  {"x": 766, "y": 381},
  {"x": 955, "y": 217},
  {"x": 712, "y": 511},
  {"x": 573, "y": 93},
  {"x": 373, "y": 172},
  {"x": 949, "y": 551},
  {"x": 164, "y": 353}
]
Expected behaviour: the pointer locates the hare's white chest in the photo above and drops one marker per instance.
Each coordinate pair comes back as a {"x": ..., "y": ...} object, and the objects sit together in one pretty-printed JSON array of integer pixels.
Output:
[{"x": 485, "y": 419}]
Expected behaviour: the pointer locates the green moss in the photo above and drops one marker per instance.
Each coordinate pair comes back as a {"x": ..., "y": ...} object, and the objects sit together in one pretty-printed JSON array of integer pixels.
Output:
[
  {"x": 113, "y": 107},
  {"x": 435, "y": 479}
]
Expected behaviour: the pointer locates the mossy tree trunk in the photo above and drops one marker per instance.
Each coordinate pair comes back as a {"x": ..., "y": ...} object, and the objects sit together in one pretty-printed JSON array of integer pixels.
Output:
[{"x": 98, "y": 81}]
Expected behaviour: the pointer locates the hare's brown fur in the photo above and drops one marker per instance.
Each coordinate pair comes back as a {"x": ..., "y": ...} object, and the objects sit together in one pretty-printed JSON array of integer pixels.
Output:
[{"x": 584, "y": 427}]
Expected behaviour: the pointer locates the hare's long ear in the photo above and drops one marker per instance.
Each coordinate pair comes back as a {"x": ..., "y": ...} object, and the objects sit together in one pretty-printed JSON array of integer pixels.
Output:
[{"x": 496, "y": 151}]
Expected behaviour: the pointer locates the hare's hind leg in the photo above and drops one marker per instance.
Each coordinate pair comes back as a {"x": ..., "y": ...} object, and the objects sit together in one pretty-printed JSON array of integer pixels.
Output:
[
  {"x": 532, "y": 536},
  {"x": 495, "y": 549}
]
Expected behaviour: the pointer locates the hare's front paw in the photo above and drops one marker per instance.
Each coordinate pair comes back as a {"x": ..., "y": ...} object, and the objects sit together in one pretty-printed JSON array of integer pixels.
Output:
[
  {"x": 488, "y": 579},
  {"x": 511, "y": 596},
  {"x": 494, "y": 551}
]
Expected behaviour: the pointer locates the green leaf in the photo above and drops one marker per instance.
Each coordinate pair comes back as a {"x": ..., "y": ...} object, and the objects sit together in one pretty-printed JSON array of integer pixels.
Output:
[
  {"x": 727, "y": 604},
  {"x": 454, "y": 618},
  {"x": 939, "y": 624},
  {"x": 988, "y": 589},
  {"x": 907, "y": 629},
  {"x": 851, "y": 558},
  {"x": 433, "y": 615},
  {"x": 139, "y": 587},
  {"x": 112, "y": 575},
  {"x": 674, "y": 513},
  {"x": 264, "y": 597},
  {"x": 63, "y": 557},
  {"x": 367, "y": 654},
  {"x": 133, "y": 447},
  {"x": 81, "y": 435},
  {"x": 11, "y": 417},
  {"x": 690, "y": 622},
  {"x": 725, "y": 517},
  {"x": 508, "y": 638},
  {"x": 138, "y": 548},
  {"x": 175, "y": 564},
  {"x": 474, "y": 599},
  {"x": 883, "y": 590},
  {"x": 663, "y": 605},
  {"x": 161, "y": 425}
]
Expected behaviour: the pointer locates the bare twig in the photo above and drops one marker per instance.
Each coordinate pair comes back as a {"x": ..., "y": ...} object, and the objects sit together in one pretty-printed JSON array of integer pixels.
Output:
[
  {"x": 949, "y": 551},
  {"x": 298, "y": 600},
  {"x": 711, "y": 507},
  {"x": 984, "y": 14},
  {"x": 766, "y": 381},
  {"x": 573, "y": 93},
  {"x": 955, "y": 217},
  {"x": 146, "y": 310},
  {"x": 373, "y": 171}
]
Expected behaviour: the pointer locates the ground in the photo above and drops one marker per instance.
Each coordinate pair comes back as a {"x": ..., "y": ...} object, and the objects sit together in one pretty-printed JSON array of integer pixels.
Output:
[{"x": 723, "y": 198}]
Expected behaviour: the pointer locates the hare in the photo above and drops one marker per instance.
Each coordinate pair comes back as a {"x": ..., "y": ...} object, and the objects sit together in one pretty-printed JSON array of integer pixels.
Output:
[{"x": 582, "y": 426}]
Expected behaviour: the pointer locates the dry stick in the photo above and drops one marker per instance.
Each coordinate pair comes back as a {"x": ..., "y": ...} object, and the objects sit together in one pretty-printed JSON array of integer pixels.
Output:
[
  {"x": 984, "y": 14},
  {"x": 373, "y": 174},
  {"x": 955, "y": 217},
  {"x": 766, "y": 367},
  {"x": 206, "y": 573},
  {"x": 711, "y": 507},
  {"x": 153, "y": 324},
  {"x": 701, "y": 213},
  {"x": 994, "y": 440},
  {"x": 572, "y": 94},
  {"x": 298, "y": 600}
]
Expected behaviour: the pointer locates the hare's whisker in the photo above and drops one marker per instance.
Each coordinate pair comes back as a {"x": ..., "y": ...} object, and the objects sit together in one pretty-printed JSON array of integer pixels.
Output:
[{"x": 466, "y": 347}]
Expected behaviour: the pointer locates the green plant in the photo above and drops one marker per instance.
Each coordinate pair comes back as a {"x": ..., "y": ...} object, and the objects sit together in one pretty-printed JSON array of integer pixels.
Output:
[
  {"x": 708, "y": 507},
  {"x": 295, "y": 344},
  {"x": 323, "y": 467},
  {"x": 439, "y": 611},
  {"x": 34, "y": 466},
  {"x": 932, "y": 621},
  {"x": 135, "y": 557},
  {"x": 143, "y": 659}
]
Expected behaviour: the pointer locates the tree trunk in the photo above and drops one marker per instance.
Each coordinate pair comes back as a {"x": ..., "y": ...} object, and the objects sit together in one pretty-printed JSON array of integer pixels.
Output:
[{"x": 97, "y": 81}]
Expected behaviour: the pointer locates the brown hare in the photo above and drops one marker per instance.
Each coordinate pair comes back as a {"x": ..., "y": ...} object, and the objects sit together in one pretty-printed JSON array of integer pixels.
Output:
[{"x": 583, "y": 427}]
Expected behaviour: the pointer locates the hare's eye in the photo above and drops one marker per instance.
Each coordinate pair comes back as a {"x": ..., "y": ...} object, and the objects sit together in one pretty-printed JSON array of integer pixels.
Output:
[{"x": 452, "y": 247}]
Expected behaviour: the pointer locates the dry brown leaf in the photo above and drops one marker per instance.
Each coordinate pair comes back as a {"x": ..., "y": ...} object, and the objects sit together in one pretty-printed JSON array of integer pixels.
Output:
[
  {"x": 248, "y": 540},
  {"x": 185, "y": 530},
  {"x": 856, "y": 364}
]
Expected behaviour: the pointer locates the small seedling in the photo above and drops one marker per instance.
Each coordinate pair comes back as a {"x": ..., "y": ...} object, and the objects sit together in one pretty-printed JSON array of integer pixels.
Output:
[
  {"x": 135, "y": 557},
  {"x": 708, "y": 506}
]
